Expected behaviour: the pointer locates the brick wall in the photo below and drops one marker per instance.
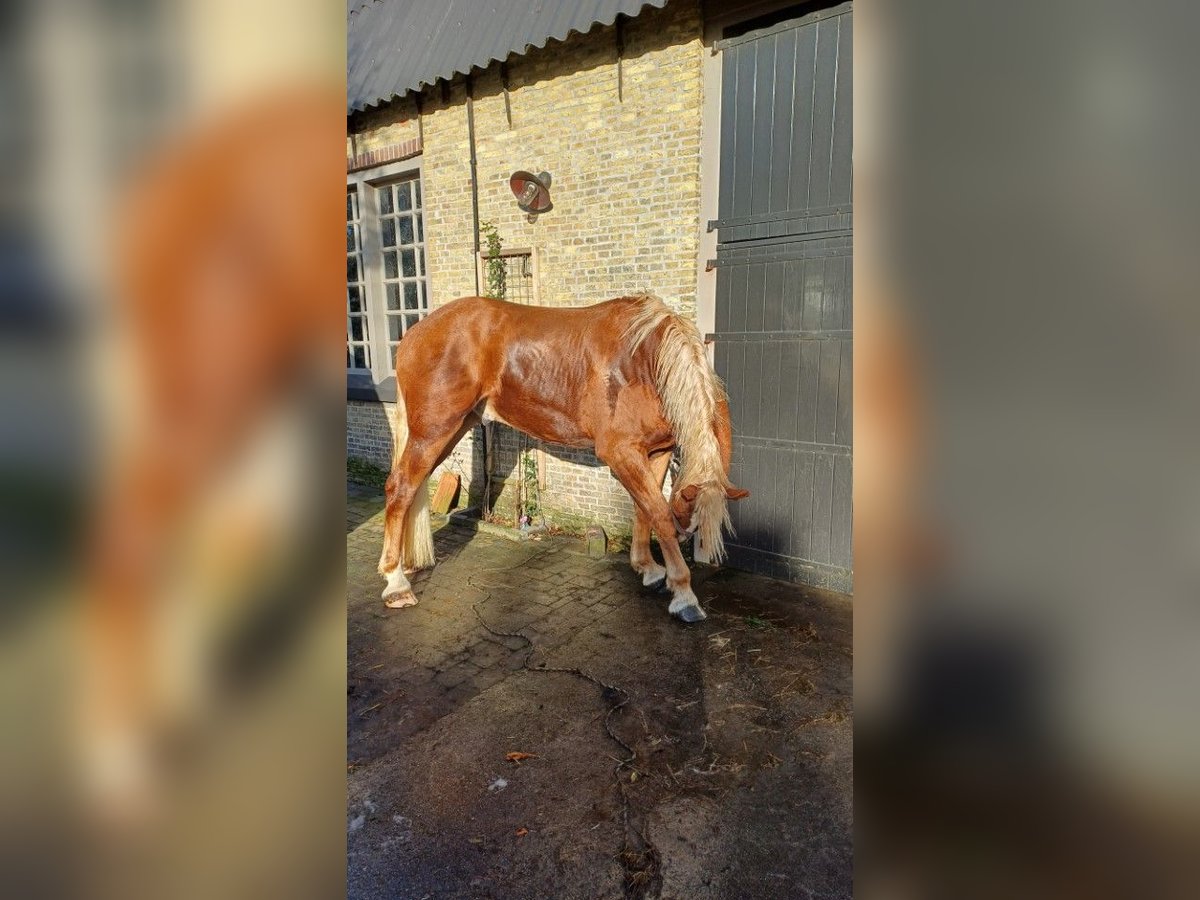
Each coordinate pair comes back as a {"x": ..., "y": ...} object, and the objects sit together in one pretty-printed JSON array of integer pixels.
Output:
[
  {"x": 370, "y": 430},
  {"x": 626, "y": 193},
  {"x": 375, "y": 129},
  {"x": 626, "y": 175}
]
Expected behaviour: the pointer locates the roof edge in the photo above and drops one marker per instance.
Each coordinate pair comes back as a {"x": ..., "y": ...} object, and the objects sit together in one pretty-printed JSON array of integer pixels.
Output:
[{"x": 467, "y": 69}]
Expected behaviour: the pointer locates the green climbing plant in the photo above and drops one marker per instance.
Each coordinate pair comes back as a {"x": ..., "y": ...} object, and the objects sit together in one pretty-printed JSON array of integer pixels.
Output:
[
  {"x": 529, "y": 475},
  {"x": 497, "y": 270}
]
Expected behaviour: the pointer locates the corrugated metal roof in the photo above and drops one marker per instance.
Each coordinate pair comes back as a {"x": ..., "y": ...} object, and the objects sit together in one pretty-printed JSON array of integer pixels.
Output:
[{"x": 396, "y": 46}]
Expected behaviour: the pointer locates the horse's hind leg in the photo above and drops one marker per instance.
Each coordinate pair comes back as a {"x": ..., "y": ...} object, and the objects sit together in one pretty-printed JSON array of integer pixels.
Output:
[
  {"x": 407, "y": 538},
  {"x": 633, "y": 470},
  {"x": 403, "y": 483},
  {"x": 640, "y": 557}
]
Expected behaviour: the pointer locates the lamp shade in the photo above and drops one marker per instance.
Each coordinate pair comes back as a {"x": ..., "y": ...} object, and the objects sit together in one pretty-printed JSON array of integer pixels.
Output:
[{"x": 532, "y": 191}]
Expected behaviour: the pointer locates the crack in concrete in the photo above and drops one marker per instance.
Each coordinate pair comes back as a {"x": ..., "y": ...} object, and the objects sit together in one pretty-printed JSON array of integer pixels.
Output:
[{"x": 639, "y": 858}]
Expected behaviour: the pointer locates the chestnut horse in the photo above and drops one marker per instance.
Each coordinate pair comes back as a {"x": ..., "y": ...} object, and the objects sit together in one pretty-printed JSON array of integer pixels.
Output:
[{"x": 627, "y": 377}]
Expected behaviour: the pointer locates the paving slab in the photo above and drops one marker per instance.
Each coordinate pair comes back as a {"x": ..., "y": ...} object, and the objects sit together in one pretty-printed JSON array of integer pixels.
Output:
[{"x": 740, "y": 729}]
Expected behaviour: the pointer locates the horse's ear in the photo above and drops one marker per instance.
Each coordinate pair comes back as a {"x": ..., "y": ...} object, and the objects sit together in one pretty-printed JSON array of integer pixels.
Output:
[
  {"x": 689, "y": 493},
  {"x": 736, "y": 493}
]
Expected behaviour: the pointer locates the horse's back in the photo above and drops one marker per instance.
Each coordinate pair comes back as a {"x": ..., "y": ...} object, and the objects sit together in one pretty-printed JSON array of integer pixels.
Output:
[
  {"x": 489, "y": 308},
  {"x": 478, "y": 325}
]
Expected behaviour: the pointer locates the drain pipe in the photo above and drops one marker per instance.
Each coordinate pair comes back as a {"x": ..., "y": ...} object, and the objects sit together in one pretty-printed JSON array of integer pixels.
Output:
[
  {"x": 474, "y": 177},
  {"x": 486, "y": 431}
]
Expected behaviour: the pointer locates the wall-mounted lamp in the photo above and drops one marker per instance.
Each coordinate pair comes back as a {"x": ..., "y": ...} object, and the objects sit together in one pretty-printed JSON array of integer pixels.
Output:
[{"x": 532, "y": 191}]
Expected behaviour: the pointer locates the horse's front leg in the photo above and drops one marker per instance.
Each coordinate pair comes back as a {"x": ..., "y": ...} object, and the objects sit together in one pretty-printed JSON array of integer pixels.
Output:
[
  {"x": 640, "y": 557},
  {"x": 633, "y": 469}
]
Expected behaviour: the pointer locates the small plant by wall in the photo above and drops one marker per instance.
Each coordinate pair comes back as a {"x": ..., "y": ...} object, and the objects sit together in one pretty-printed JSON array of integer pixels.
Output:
[
  {"x": 529, "y": 478},
  {"x": 362, "y": 472},
  {"x": 497, "y": 268}
]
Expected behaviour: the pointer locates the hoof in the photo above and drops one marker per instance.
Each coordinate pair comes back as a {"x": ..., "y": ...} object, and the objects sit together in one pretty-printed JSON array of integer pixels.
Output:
[
  {"x": 399, "y": 600},
  {"x": 690, "y": 613},
  {"x": 660, "y": 586}
]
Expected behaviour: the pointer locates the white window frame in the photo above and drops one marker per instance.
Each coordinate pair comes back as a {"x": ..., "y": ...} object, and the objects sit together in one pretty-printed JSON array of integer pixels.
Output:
[
  {"x": 353, "y": 199},
  {"x": 380, "y": 382}
]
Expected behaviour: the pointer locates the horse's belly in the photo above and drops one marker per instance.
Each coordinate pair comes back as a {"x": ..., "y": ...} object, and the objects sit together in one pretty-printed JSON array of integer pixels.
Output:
[{"x": 540, "y": 421}]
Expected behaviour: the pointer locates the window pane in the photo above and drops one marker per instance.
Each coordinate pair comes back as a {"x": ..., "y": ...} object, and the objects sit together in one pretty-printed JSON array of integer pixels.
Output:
[{"x": 402, "y": 235}]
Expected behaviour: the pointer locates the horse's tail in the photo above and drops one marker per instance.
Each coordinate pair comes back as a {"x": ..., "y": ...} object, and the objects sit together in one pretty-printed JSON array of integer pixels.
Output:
[
  {"x": 690, "y": 392},
  {"x": 417, "y": 533}
]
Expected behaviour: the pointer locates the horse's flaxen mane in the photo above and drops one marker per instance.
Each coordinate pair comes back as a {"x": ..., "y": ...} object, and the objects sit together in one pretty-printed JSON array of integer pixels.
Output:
[{"x": 689, "y": 390}]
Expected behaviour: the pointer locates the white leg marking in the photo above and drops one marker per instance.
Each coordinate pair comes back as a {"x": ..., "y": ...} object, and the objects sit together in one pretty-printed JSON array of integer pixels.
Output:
[
  {"x": 685, "y": 605},
  {"x": 653, "y": 574},
  {"x": 398, "y": 592}
]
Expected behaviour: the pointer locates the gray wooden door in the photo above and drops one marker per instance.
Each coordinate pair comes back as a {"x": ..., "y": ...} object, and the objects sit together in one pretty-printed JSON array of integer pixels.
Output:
[{"x": 784, "y": 284}]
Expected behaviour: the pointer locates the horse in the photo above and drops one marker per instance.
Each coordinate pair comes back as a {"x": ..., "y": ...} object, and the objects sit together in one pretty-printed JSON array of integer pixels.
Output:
[{"x": 627, "y": 377}]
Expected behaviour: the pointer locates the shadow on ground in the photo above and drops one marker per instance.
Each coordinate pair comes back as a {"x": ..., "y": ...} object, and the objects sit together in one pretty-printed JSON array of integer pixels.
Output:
[{"x": 741, "y": 727}]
